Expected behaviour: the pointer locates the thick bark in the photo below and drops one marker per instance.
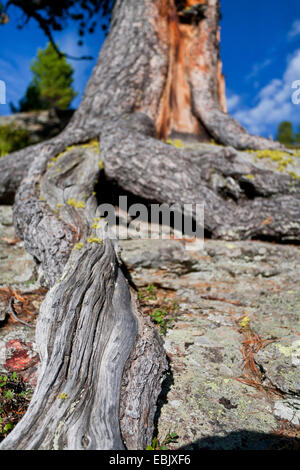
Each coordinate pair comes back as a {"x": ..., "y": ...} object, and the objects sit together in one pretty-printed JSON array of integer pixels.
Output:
[
  {"x": 101, "y": 361},
  {"x": 15, "y": 166},
  {"x": 266, "y": 205},
  {"x": 89, "y": 324},
  {"x": 168, "y": 68}
]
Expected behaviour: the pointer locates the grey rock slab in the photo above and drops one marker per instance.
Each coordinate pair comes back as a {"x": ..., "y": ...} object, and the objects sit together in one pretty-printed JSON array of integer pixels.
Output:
[
  {"x": 288, "y": 410},
  {"x": 17, "y": 267},
  {"x": 215, "y": 288}
]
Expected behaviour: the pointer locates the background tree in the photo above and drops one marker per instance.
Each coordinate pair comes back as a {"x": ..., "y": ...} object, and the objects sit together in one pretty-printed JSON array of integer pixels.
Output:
[
  {"x": 158, "y": 74},
  {"x": 31, "y": 101},
  {"x": 285, "y": 133},
  {"x": 51, "y": 86},
  {"x": 297, "y": 137},
  {"x": 53, "y": 78}
]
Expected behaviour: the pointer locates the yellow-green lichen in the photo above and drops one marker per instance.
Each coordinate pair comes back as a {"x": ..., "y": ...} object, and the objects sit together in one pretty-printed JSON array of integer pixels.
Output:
[
  {"x": 93, "y": 145},
  {"x": 283, "y": 159},
  {"x": 76, "y": 204},
  {"x": 289, "y": 350},
  {"x": 101, "y": 165},
  {"x": 249, "y": 177},
  {"x": 176, "y": 143},
  {"x": 96, "y": 225},
  {"x": 94, "y": 240},
  {"x": 63, "y": 396},
  {"x": 294, "y": 175},
  {"x": 244, "y": 323},
  {"x": 78, "y": 246}
]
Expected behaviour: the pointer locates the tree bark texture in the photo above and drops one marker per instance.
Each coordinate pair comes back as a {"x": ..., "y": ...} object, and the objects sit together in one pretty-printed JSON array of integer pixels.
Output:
[{"x": 158, "y": 75}]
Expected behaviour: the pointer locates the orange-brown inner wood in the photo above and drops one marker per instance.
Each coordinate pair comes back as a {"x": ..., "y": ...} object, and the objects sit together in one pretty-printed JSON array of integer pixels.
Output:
[{"x": 176, "y": 104}]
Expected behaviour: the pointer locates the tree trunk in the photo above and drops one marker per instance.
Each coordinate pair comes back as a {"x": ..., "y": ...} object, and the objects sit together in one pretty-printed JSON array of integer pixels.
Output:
[{"x": 158, "y": 75}]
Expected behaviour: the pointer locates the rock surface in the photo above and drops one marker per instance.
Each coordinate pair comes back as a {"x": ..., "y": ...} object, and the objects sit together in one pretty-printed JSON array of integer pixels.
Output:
[
  {"x": 233, "y": 347},
  {"x": 17, "y": 270},
  {"x": 39, "y": 124}
]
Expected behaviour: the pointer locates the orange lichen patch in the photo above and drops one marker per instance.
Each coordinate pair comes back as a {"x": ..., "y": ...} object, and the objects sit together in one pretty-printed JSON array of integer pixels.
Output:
[{"x": 20, "y": 355}]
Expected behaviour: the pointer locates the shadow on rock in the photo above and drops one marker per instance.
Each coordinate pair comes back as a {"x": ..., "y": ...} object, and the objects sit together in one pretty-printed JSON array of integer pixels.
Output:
[
  {"x": 163, "y": 396},
  {"x": 245, "y": 440}
]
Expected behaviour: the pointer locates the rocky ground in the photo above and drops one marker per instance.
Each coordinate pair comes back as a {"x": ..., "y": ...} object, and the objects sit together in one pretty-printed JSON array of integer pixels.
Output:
[
  {"x": 229, "y": 314},
  {"x": 39, "y": 124},
  {"x": 18, "y": 281}
]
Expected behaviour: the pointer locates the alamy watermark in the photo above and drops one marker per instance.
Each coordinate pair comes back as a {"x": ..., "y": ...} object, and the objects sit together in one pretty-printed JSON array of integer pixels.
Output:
[
  {"x": 296, "y": 94},
  {"x": 2, "y": 92},
  {"x": 153, "y": 221}
]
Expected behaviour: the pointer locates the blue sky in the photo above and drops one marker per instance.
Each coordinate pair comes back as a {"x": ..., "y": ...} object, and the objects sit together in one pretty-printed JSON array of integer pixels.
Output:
[{"x": 260, "y": 51}]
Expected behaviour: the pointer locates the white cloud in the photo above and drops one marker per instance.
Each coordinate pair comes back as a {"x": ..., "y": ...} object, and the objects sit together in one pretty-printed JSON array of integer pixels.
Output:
[
  {"x": 274, "y": 101},
  {"x": 233, "y": 101},
  {"x": 257, "y": 68},
  {"x": 295, "y": 30}
]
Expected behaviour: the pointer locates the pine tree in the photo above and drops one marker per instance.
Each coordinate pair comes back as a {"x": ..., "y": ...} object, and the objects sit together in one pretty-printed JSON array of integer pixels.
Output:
[
  {"x": 53, "y": 76},
  {"x": 31, "y": 101},
  {"x": 285, "y": 133},
  {"x": 297, "y": 136}
]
